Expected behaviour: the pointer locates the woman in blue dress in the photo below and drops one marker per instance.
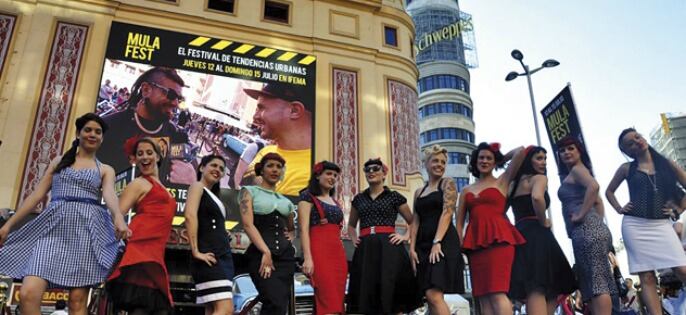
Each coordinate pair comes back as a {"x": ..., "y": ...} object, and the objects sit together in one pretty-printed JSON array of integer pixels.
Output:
[{"x": 73, "y": 242}]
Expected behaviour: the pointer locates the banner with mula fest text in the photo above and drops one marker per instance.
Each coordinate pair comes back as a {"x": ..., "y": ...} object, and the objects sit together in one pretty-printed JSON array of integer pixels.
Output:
[
  {"x": 561, "y": 120},
  {"x": 198, "y": 95}
]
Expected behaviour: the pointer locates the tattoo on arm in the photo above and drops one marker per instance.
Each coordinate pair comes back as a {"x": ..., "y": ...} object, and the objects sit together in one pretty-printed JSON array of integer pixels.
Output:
[
  {"x": 246, "y": 202},
  {"x": 449, "y": 197}
]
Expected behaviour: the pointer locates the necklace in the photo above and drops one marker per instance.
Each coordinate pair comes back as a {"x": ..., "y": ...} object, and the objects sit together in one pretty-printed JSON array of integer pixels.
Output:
[
  {"x": 138, "y": 122},
  {"x": 653, "y": 181}
]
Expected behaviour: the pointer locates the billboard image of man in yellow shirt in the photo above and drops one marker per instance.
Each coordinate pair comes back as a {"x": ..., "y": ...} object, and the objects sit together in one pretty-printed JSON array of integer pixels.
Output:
[{"x": 285, "y": 119}]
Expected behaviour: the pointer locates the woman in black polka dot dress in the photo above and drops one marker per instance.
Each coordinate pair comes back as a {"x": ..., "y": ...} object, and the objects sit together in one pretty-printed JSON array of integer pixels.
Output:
[{"x": 381, "y": 278}]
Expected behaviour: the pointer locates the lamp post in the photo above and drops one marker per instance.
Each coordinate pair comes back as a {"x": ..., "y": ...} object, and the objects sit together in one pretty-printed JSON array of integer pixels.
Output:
[{"x": 516, "y": 54}]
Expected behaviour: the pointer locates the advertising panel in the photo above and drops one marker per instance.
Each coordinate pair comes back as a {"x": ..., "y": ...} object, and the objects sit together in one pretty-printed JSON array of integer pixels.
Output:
[
  {"x": 198, "y": 95},
  {"x": 561, "y": 120}
]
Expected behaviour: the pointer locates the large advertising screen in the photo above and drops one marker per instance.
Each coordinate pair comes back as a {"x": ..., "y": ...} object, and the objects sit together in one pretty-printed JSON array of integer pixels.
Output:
[{"x": 199, "y": 95}]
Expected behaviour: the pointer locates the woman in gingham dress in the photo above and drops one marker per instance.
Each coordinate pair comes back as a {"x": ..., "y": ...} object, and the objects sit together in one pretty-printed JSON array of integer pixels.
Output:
[{"x": 73, "y": 242}]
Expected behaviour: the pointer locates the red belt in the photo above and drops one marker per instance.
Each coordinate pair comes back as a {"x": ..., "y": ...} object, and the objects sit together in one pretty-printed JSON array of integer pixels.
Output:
[
  {"x": 377, "y": 230},
  {"x": 531, "y": 217}
]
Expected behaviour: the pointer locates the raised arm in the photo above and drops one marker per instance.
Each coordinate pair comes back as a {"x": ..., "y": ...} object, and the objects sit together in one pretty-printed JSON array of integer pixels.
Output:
[
  {"x": 190, "y": 214},
  {"x": 583, "y": 177},
  {"x": 516, "y": 157},
  {"x": 120, "y": 228},
  {"x": 449, "y": 200},
  {"x": 538, "y": 189},
  {"x": 617, "y": 180},
  {"x": 247, "y": 218},
  {"x": 304, "y": 209}
]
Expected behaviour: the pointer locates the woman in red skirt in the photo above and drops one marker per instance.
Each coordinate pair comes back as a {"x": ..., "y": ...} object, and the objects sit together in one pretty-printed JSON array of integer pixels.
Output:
[
  {"x": 140, "y": 283},
  {"x": 321, "y": 219},
  {"x": 490, "y": 238}
]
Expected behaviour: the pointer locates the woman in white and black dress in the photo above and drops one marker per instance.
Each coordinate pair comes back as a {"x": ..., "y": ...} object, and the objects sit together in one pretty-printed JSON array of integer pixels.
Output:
[
  {"x": 650, "y": 241},
  {"x": 381, "y": 278},
  {"x": 211, "y": 264}
]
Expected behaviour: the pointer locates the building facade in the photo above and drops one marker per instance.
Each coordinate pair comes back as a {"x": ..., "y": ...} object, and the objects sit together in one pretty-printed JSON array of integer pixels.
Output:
[
  {"x": 443, "y": 58},
  {"x": 669, "y": 138}
]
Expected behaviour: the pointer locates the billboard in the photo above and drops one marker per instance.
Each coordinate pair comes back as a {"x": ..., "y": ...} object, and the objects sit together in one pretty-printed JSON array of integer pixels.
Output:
[
  {"x": 199, "y": 95},
  {"x": 561, "y": 120}
]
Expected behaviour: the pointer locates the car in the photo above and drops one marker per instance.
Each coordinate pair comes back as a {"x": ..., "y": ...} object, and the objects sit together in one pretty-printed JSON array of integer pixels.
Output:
[{"x": 245, "y": 293}]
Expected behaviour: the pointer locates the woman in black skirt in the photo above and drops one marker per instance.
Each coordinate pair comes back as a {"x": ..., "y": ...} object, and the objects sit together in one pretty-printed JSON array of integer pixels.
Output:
[
  {"x": 211, "y": 264},
  {"x": 540, "y": 272},
  {"x": 381, "y": 280},
  {"x": 268, "y": 220}
]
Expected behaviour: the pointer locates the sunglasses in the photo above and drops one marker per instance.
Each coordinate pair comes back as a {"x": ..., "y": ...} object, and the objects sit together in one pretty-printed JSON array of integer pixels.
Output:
[
  {"x": 372, "y": 168},
  {"x": 171, "y": 94}
]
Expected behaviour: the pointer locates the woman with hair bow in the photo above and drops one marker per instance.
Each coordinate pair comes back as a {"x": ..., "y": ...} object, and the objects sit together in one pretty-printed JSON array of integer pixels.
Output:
[
  {"x": 321, "y": 218},
  {"x": 490, "y": 238}
]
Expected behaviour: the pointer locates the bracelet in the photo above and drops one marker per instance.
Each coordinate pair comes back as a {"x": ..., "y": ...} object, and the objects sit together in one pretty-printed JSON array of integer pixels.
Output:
[{"x": 436, "y": 241}]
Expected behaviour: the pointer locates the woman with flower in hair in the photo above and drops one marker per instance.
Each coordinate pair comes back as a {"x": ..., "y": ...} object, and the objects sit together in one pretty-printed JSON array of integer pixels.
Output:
[
  {"x": 654, "y": 199},
  {"x": 268, "y": 220},
  {"x": 321, "y": 217},
  {"x": 583, "y": 213},
  {"x": 490, "y": 238},
  {"x": 73, "y": 242},
  {"x": 434, "y": 247},
  {"x": 140, "y": 283},
  {"x": 381, "y": 280}
]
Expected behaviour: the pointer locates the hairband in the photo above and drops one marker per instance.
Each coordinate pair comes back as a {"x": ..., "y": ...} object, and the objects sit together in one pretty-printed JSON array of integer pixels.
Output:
[
  {"x": 318, "y": 168},
  {"x": 494, "y": 146}
]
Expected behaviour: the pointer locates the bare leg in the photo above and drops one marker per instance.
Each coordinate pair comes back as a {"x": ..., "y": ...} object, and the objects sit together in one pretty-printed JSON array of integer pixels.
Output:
[
  {"x": 31, "y": 293},
  {"x": 486, "y": 307},
  {"x": 436, "y": 302},
  {"x": 77, "y": 301},
  {"x": 501, "y": 304},
  {"x": 552, "y": 305},
  {"x": 601, "y": 305},
  {"x": 223, "y": 307},
  {"x": 649, "y": 292},
  {"x": 536, "y": 304}
]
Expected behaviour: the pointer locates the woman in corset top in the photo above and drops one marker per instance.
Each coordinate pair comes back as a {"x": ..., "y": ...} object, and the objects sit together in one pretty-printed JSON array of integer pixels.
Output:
[
  {"x": 583, "y": 213},
  {"x": 268, "y": 220},
  {"x": 211, "y": 263},
  {"x": 650, "y": 241}
]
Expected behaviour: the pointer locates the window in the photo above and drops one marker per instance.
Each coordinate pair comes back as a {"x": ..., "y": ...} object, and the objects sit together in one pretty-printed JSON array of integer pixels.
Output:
[
  {"x": 445, "y": 108},
  {"x": 443, "y": 82},
  {"x": 447, "y": 134},
  {"x": 390, "y": 35},
  {"x": 458, "y": 158},
  {"x": 461, "y": 182},
  {"x": 221, "y": 5},
  {"x": 277, "y": 11}
]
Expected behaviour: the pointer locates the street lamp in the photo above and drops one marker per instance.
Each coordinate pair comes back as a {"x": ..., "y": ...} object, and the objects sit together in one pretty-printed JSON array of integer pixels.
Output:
[{"x": 517, "y": 55}]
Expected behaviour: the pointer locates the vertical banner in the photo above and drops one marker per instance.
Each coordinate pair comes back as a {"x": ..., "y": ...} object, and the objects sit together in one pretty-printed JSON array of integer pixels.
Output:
[
  {"x": 198, "y": 95},
  {"x": 561, "y": 120}
]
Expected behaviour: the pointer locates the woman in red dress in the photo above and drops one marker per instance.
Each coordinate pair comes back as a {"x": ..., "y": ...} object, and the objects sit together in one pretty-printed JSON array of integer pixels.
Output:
[
  {"x": 321, "y": 219},
  {"x": 490, "y": 238},
  {"x": 140, "y": 283}
]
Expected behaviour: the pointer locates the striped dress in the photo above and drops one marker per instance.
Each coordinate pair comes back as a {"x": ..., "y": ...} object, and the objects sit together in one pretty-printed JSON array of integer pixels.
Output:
[{"x": 71, "y": 244}]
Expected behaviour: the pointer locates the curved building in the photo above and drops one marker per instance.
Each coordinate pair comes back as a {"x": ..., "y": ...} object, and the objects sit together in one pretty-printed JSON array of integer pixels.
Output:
[{"x": 442, "y": 56}]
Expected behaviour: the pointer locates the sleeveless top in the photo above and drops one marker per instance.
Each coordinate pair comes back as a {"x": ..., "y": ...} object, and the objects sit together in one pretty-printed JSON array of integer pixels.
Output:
[
  {"x": 488, "y": 223},
  {"x": 646, "y": 198},
  {"x": 572, "y": 197},
  {"x": 429, "y": 209},
  {"x": 212, "y": 235},
  {"x": 523, "y": 206}
]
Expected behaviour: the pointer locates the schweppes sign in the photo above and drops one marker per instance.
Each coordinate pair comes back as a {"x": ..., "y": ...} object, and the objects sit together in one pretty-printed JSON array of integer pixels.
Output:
[
  {"x": 217, "y": 56},
  {"x": 448, "y": 32}
]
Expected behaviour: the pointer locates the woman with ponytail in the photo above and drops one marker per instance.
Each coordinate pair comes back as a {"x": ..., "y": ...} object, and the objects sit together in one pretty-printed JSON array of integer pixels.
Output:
[
  {"x": 73, "y": 242},
  {"x": 650, "y": 241},
  {"x": 211, "y": 263},
  {"x": 321, "y": 218}
]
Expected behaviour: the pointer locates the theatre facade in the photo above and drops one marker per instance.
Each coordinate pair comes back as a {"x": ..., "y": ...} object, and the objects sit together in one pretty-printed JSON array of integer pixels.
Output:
[{"x": 352, "y": 61}]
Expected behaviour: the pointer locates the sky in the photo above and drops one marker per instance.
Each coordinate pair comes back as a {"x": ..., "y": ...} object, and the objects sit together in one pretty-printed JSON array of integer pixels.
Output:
[{"x": 625, "y": 61}]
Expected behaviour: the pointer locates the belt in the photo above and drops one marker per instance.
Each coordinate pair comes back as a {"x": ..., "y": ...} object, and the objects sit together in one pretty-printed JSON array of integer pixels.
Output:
[
  {"x": 377, "y": 230},
  {"x": 531, "y": 217},
  {"x": 77, "y": 199}
]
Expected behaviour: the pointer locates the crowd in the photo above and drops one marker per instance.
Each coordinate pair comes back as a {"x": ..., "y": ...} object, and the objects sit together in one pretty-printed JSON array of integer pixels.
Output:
[{"x": 75, "y": 242}]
